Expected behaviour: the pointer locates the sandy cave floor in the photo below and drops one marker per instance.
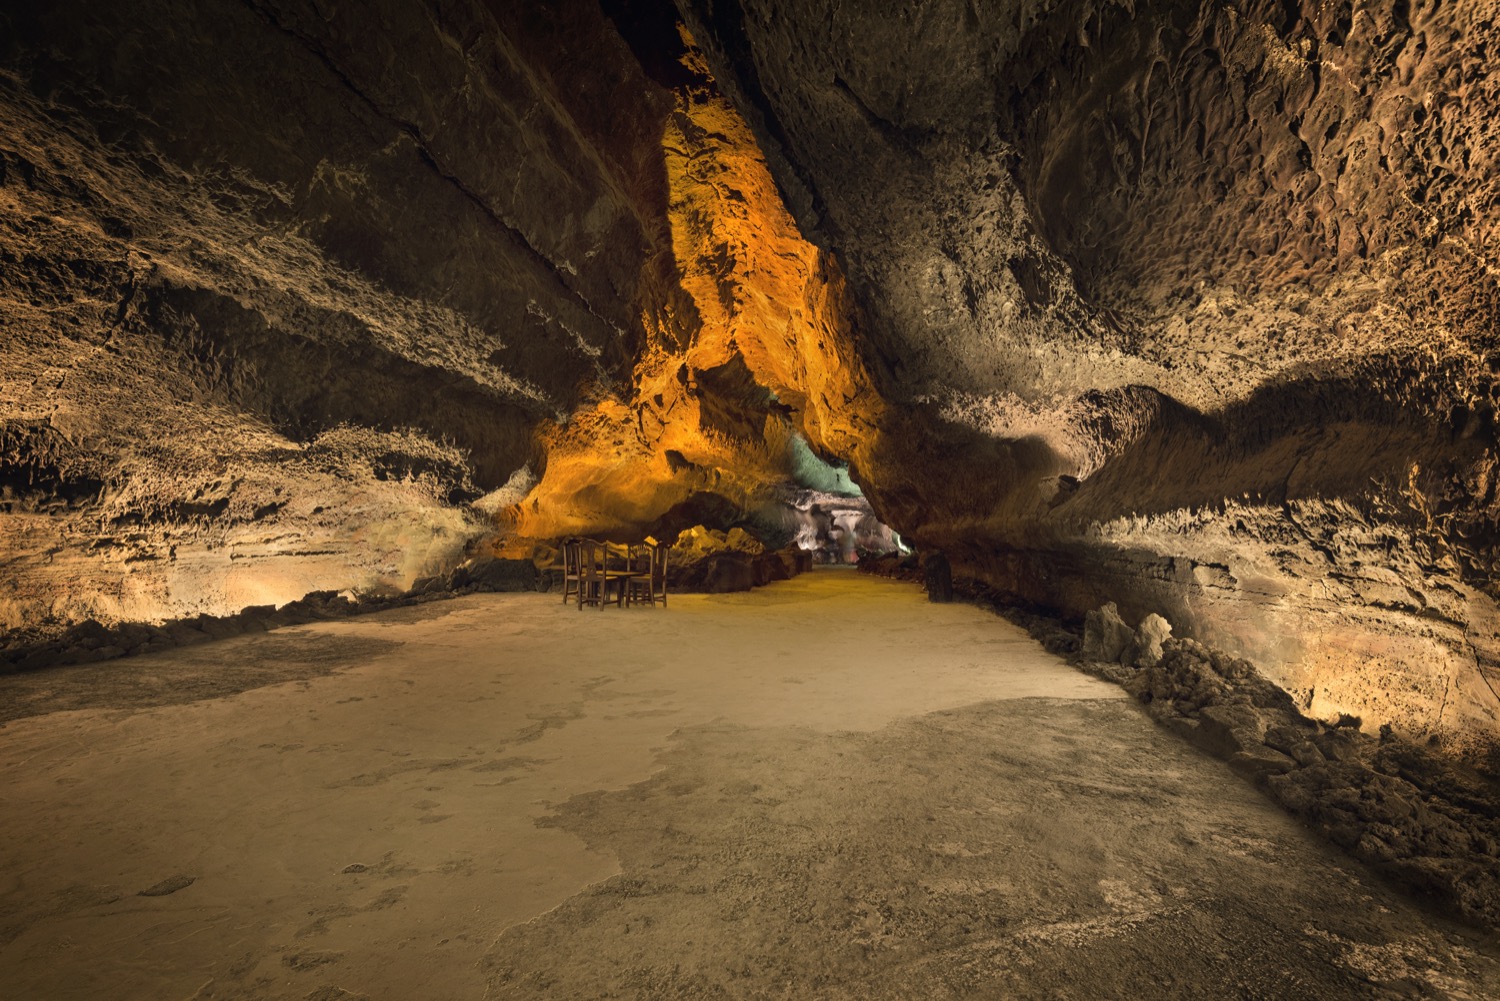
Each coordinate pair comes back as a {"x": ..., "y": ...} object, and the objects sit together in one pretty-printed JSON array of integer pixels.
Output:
[{"x": 827, "y": 788}]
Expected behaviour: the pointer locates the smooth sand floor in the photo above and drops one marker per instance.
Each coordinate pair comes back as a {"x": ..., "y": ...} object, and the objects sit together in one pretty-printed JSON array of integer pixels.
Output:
[{"x": 824, "y": 788}]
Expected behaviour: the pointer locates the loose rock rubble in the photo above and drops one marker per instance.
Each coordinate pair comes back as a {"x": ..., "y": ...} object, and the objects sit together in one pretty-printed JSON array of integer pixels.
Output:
[
  {"x": 1418, "y": 818},
  {"x": 1053, "y": 635}
]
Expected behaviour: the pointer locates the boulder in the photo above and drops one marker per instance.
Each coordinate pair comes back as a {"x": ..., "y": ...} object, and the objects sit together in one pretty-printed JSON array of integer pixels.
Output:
[
  {"x": 89, "y": 634},
  {"x": 1285, "y": 737},
  {"x": 1150, "y": 635},
  {"x": 1229, "y": 730},
  {"x": 1106, "y": 637},
  {"x": 728, "y": 571},
  {"x": 293, "y": 613},
  {"x": 1258, "y": 763},
  {"x": 216, "y": 628},
  {"x": 1060, "y": 642},
  {"x": 770, "y": 567},
  {"x": 134, "y": 635},
  {"x": 791, "y": 565},
  {"x": 1339, "y": 745},
  {"x": 183, "y": 634}
]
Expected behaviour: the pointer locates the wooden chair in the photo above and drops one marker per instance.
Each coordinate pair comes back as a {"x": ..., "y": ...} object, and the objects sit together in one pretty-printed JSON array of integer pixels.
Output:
[
  {"x": 571, "y": 568},
  {"x": 595, "y": 576},
  {"x": 649, "y": 581}
]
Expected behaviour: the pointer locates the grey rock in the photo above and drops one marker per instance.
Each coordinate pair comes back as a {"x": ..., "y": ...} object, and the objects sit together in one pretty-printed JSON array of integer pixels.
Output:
[
  {"x": 1257, "y": 763},
  {"x": 1106, "y": 637},
  {"x": 1152, "y": 632}
]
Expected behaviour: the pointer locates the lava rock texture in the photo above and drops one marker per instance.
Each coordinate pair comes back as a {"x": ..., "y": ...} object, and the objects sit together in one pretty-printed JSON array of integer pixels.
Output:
[
  {"x": 1191, "y": 306},
  {"x": 274, "y": 314}
]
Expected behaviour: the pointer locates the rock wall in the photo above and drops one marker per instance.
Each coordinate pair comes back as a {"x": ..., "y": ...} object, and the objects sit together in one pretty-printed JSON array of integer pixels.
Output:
[
  {"x": 285, "y": 285},
  {"x": 1189, "y": 305},
  {"x": 751, "y": 345},
  {"x": 303, "y": 296}
]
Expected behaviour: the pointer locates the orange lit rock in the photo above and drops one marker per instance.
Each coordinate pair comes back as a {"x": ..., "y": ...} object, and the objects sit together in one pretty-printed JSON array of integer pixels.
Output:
[{"x": 751, "y": 342}]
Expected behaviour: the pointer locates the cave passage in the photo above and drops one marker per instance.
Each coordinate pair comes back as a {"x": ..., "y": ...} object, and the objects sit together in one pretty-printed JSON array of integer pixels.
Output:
[
  {"x": 828, "y": 787},
  {"x": 1165, "y": 330}
]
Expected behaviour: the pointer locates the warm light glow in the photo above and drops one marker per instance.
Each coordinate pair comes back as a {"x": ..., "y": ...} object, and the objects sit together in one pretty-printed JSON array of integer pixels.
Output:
[{"x": 766, "y": 301}]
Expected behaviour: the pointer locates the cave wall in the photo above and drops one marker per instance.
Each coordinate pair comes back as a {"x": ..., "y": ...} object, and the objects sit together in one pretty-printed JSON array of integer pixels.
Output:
[
  {"x": 285, "y": 284},
  {"x": 303, "y": 295},
  {"x": 1187, "y": 305}
]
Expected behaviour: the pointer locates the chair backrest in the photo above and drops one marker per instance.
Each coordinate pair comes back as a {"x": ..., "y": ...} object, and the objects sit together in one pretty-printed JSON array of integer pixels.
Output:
[
  {"x": 570, "y": 548},
  {"x": 590, "y": 559},
  {"x": 659, "y": 567},
  {"x": 619, "y": 558}
]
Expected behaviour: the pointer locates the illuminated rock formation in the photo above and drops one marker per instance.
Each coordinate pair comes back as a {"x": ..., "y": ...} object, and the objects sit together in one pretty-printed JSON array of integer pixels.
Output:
[{"x": 749, "y": 341}]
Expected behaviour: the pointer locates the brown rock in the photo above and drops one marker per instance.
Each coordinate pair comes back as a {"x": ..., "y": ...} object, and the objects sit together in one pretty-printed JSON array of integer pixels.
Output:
[
  {"x": 938, "y": 576},
  {"x": 1257, "y": 763},
  {"x": 1106, "y": 637},
  {"x": 1228, "y": 730},
  {"x": 1150, "y": 634}
]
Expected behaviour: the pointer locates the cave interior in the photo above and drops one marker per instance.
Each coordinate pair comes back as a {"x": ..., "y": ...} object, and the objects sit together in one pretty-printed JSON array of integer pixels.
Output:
[{"x": 1167, "y": 321}]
